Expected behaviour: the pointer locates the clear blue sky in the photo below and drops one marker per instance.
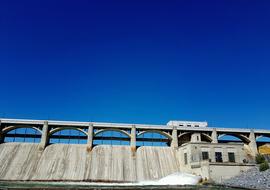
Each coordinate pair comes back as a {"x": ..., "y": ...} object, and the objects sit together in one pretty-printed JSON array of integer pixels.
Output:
[{"x": 136, "y": 61}]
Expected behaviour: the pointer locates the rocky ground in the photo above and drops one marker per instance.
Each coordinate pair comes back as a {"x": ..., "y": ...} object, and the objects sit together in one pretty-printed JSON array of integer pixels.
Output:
[{"x": 253, "y": 178}]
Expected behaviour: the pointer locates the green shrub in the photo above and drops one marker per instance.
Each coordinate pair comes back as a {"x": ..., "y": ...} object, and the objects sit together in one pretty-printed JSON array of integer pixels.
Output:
[
  {"x": 264, "y": 166},
  {"x": 260, "y": 159}
]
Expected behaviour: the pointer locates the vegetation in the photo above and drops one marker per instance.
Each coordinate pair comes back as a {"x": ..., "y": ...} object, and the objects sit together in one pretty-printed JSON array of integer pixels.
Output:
[
  {"x": 264, "y": 166},
  {"x": 260, "y": 159}
]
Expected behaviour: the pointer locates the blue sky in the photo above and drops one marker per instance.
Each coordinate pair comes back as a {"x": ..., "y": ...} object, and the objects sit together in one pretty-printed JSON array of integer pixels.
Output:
[{"x": 136, "y": 61}]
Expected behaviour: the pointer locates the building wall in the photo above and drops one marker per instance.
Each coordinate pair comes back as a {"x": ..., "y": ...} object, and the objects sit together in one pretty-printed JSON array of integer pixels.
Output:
[
  {"x": 195, "y": 150},
  {"x": 210, "y": 169},
  {"x": 221, "y": 172}
]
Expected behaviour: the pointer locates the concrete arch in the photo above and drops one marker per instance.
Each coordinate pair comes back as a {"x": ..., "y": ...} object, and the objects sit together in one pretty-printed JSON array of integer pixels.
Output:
[
  {"x": 182, "y": 134},
  {"x": 11, "y": 128},
  {"x": 64, "y": 128},
  {"x": 207, "y": 137},
  {"x": 112, "y": 129},
  {"x": 243, "y": 138},
  {"x": 156, "y": 131},
  {"x": 184, "y": 138},
  {"x": 261, "y": 136},
  {"x": 202, "y": 134}
]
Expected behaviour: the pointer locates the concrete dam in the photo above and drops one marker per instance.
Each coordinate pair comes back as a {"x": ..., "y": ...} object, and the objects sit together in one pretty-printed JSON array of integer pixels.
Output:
[
  {"x": 58, "y": 162},
  {"x": 190, "y": 147}
]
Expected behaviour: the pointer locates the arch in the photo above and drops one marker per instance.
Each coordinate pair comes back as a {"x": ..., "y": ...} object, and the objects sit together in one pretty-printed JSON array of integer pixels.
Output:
[
  {"x": 203, "y": 135},
  {"x": 220, "y": 136},
  {"x": 11, "y": 128},
  {"x": 208, "y": 137},
  {"x": 182, "y": 134},
  {"x": 21, "y": 134},
  {"x": 243, "y": 138},
  {"x": 156, "y": 131},
  {"x": 64, "y": 128},
  {"x": 263, "y": 136},
  {"x": 184, "y": 138},
  {"x": 112, "y": 129}
]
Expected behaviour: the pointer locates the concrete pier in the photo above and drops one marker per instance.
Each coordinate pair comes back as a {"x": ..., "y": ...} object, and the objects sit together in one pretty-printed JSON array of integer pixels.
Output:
[
  {"x": 252, "y": 144},
  {"x": 45, "y": 136},
  {"x": 1, "y": 134},
  {"x": 90, "y": 137},
  {"x": 133, "y": 138},
  {"x": 174, "y": 142},
  {"x": 214, "y": 136}
]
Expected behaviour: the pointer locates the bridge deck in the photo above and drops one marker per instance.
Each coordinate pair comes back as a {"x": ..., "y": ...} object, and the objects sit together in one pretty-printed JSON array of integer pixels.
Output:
[{"x": 128, "y": 126}]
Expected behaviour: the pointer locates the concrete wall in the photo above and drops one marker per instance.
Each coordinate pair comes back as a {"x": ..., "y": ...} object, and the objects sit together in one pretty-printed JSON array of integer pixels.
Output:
[
  {"x": 156, "y": 162},
  {"x": 24, "y": 161},
  {"x": 221, "y": 172}
]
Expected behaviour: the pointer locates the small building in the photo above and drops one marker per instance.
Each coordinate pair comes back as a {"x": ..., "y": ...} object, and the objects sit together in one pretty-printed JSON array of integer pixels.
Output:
[
  {"x": 187, "y": 123},
  {"x": 216, "y": 161}
]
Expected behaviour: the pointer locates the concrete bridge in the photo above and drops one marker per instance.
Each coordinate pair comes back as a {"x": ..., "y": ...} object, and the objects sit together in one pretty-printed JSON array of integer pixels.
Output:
[
  {"x": 175, "y": 133},
  {"x": 193, "y": 148}
]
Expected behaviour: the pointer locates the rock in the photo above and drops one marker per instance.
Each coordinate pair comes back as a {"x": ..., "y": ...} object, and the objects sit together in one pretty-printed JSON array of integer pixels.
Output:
[{"x": 253, "y": 178}]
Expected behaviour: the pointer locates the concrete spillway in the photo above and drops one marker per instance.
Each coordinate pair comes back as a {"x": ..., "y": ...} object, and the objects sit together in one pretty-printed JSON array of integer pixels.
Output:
[{"x": 24, "y": 161}]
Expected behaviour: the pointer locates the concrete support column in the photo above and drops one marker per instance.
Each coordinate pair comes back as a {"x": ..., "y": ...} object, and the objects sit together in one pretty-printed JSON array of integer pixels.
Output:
[
  {"x": 133, "y": 138},
  {"x": 1, "y": 134},
  {"x": 44, "y": 137},
  {"x": 174, "y": 143},
  {"x": 214, "y": 136},
  {"x": 252, "y": 145},
  {"x": 196, "y": 137},
  {"x": 90, "y": 137}
]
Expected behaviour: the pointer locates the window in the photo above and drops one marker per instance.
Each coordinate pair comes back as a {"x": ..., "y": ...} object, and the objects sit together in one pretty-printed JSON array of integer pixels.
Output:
[
  {"x": 231, "y": 157},
  {"x": 218, "y": 156},
  {"x": 196, "y": 125},
  {"x": 189, "y": 125},
  {"x": 185, "y": 158},
  {"x": 205, "y": 155}
]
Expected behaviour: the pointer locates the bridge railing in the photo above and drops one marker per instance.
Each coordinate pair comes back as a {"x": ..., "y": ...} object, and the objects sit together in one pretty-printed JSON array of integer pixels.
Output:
[{"x": 92, "y": 133}]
